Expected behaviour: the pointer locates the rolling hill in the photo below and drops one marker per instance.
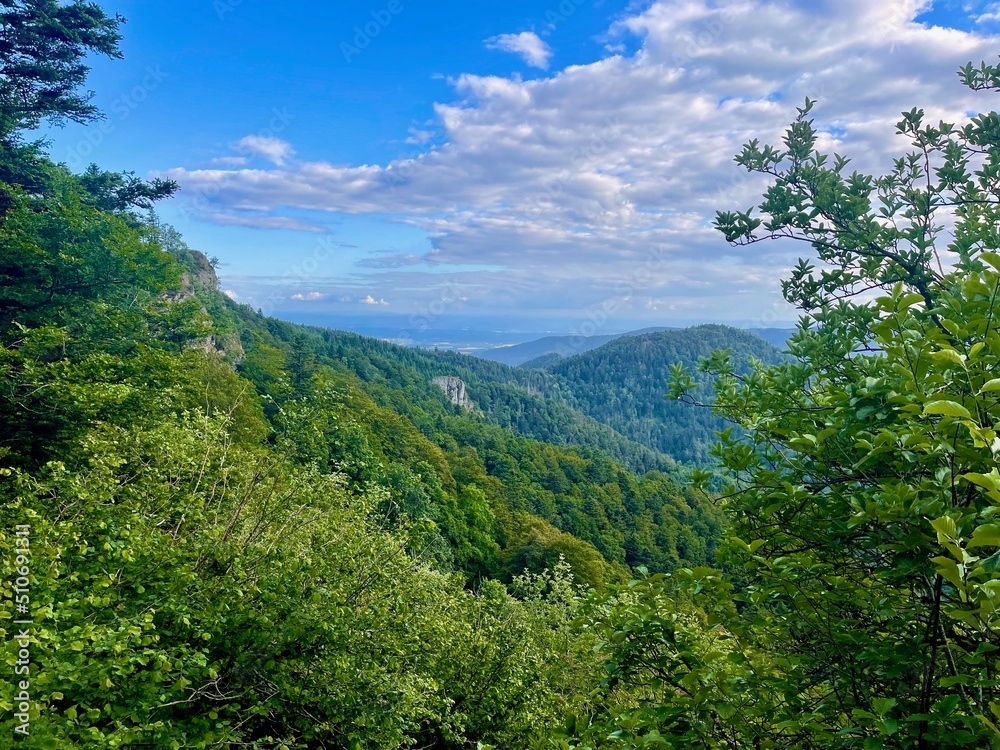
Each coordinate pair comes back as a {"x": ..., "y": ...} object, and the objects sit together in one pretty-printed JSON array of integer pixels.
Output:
[
  {"x": 563, "y": 346},
  {"x": 623, "y": 385}
]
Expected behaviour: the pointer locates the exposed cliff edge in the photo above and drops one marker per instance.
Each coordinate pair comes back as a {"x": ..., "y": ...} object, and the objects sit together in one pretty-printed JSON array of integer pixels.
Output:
[
  {"x": 454, "y": 388},
  {"x": 198, "y": 274},
  {"x": 200, "y": 278}
]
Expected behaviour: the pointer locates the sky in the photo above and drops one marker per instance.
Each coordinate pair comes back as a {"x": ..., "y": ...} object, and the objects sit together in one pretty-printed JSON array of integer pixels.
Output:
[{"x": 412, "y": 168}]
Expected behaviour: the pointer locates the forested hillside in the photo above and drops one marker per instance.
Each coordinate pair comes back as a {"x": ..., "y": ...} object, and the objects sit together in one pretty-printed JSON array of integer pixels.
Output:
[
  {"x": 390, "y": 397},
  {"x": 611, "y": 398},
  {"x": 623, "y": 383},
  {"x": 221, "y": 530},
  {"x": 239, "y": 525},
  {"x": 532, "y": 404},
  {"x": 620, "y": 384}
]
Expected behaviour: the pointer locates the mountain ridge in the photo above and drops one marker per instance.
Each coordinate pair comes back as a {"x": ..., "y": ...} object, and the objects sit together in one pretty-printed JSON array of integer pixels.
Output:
[{"x": 546, "y": 351}]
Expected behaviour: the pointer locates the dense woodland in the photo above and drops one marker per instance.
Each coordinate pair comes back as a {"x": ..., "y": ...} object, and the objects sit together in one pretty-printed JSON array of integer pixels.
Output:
[
  {"x": 251, "y": 534},
  {"x": 621, "y": 384}
]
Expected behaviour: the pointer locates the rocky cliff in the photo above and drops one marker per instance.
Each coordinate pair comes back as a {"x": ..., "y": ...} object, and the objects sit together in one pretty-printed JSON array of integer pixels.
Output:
[
  {"x": 454, "y": 389},
  {"x": 199, "y": 277}
]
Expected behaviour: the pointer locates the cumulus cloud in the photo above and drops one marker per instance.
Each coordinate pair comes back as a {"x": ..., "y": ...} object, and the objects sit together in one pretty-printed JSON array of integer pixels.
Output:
[
  {"x": 275, "y": 150},
  {"x": 369, "y": 300},
  {"x": 528, "y": 45},
  {"x": 309, "y": 296},
  {"x": 990, "y": 15},
  {"x": 594, "y": 187}
]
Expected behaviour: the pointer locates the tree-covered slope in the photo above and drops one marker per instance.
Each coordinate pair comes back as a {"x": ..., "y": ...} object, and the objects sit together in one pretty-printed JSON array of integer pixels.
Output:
[
  {"x": 529, "y": 403},
  {"x": 400, "y": 415},
  {"x": 623, "y": 384},
  {"x": 239, "y": 525}
]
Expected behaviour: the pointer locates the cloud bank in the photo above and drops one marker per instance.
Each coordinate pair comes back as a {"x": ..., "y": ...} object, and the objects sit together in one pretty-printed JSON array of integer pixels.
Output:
[{"x": 593, "y": 188}]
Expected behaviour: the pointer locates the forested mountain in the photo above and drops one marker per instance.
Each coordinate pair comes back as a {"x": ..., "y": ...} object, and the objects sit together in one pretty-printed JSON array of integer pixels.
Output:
[
  {"x": 528, "y": 403},
  {"x": 221, "y": 530},
  {"x": 577, "y": 487},
  {"x": 236, "y": 525},
  {"x": 623, "y": 384}
]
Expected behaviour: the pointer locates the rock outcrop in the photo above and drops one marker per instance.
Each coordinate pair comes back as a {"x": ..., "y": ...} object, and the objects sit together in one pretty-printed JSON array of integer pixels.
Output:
[
  {"x": 198, "y": 273},
  {"x": 199, "y": 276},
  {"x": 454, "y": 388}
]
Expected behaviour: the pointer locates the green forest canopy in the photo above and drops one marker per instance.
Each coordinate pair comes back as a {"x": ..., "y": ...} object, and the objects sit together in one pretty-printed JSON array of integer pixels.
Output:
[{"x": 240, "y": 539}]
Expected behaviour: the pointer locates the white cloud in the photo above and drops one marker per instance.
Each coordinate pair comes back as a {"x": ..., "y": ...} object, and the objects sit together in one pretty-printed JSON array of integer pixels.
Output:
[
  {"x": 231, "y": 294},
  {"x": 231, "y": 161},
  {"x": 369, "y": 300},
  {"x": 419, "y": 137},
  {"x": 275, "y": 150},
  {"x": 602, "y": 179},
  {"x": 531, "y": 47},
  {"x": 990, "y": 15},
  {"x": 309, "y": 297}
]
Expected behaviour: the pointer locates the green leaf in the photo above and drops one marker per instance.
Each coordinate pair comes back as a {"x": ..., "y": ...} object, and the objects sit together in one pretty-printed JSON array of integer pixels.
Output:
[
  {"x": 989, "y": 481},
  {"x": 911, "y": 299},
  {"x": 992, "y": 258},
  {"x": 947, "y": 408},
  {"x": 945, "y": 527},
  {"x": 951, "y": 571},
  {"x": 948, "y": 355},
  {"x": 883, "y": 706},
  {"x": 985, "y": 536}
]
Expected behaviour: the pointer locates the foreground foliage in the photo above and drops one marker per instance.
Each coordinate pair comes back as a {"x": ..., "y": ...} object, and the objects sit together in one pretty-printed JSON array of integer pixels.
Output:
[{"x": 862, "y": 607}]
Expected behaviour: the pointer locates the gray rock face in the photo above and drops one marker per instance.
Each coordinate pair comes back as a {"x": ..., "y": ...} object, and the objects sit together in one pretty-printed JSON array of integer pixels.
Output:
[
  {"x": 454, "y": 389},
  {"x": 198, "y": 271},
  {"x": 199, "y": 276}
]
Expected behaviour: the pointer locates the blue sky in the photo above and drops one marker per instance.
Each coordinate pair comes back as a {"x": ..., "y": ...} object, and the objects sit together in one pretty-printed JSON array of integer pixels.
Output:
[{"x": 550, "y": 166}]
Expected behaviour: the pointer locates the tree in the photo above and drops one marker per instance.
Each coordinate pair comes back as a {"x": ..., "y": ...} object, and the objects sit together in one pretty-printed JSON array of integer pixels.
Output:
[
  {"x": 43, "y": 48},
  {"x": 122, "y": 191},
  {"x": 863, "y": 535},
  {"x": 59, "y": 256},
  {"x": 43, "y": 45}
]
